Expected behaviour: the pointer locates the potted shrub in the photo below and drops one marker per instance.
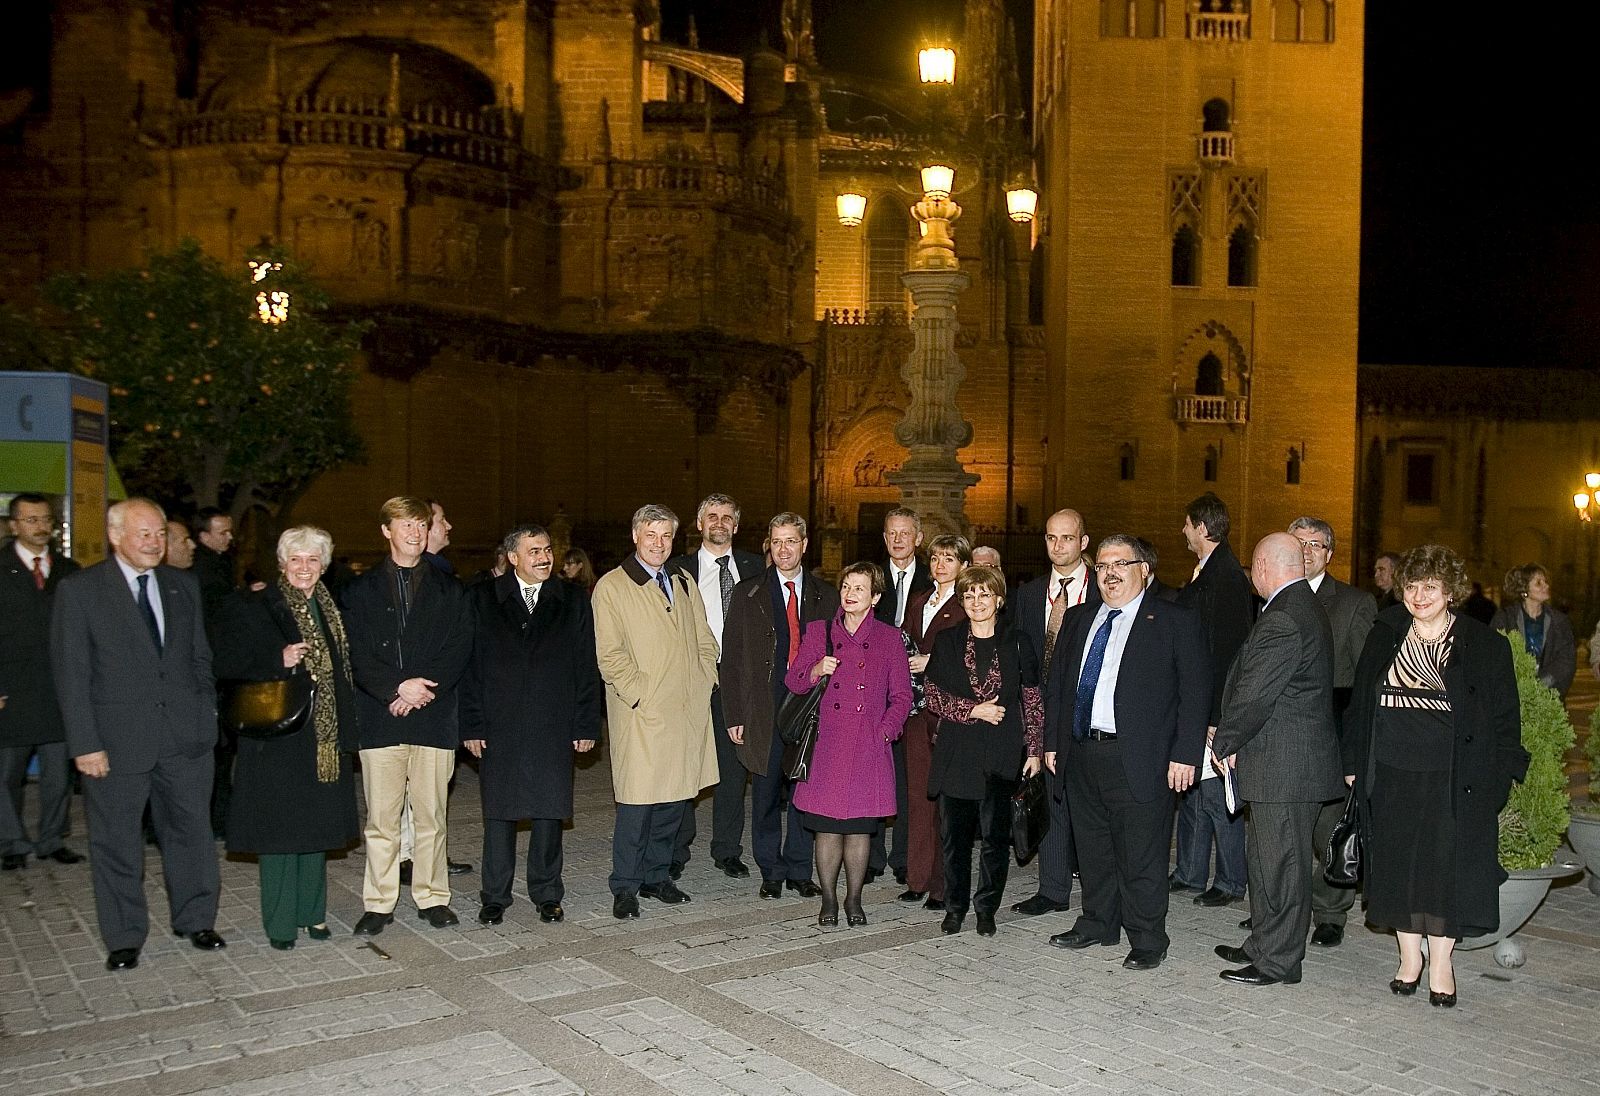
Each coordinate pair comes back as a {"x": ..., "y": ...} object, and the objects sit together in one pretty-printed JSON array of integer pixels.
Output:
[
  {"x": 1584, "y": 832},
  {"x": 1536, "y": 814}
]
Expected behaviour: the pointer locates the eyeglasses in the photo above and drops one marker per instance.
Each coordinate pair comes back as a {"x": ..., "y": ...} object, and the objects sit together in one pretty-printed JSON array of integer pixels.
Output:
[
  {"x": 1118, "y": 565},
  {"x": 1316, "y": 544}
]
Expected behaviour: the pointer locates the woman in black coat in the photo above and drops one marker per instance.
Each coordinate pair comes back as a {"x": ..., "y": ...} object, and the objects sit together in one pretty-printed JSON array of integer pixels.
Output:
[
  {"x": 1545, "y": 630},
  {"x": 294, "y": 796},
  {"x": 982, "y": 685},
  {"x": 1433, "y": 736}
]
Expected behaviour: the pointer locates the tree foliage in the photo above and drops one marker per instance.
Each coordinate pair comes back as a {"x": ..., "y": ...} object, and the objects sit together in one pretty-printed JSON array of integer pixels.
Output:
[
  {"x": 1535, "y": 816},
  {"x": 206, "y": 399}
]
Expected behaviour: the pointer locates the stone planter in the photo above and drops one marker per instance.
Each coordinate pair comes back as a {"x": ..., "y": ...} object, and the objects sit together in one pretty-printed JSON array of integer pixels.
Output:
[
  {"x": 1583, "y": 834},
  {"x": 1520, "y": 895}
]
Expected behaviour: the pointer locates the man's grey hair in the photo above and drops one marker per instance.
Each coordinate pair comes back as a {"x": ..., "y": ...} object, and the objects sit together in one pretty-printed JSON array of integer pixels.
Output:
[
  {"x": 716, "y": 499},
  {"x": 305, "y": 538},
  {"x": 903, "y": 512},
  {"x": 788, "y": 517},
  {"x": 986, "y": 548},
  {"x": 653, "y": 511},
  {"x": 1125, "y": 540},
  {"x": 1317, "y": 526},
  {"x": 117, "y": 515},
  {"x": 526, "y": 529}
]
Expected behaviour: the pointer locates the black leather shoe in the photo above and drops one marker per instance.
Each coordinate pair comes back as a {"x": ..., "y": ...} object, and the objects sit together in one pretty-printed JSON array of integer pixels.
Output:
[
  {"x": 733, "y": 867},
  {"x": 319, "y": 932},
  {"x": 854, "y": 915},
  {"x": 828, "y": 915},
  {"x": 1215, "y": 897},
  {"x": 492, "y": 913},
  {"x": 372, "y": 923},
  {"x": 1231, "y": 954},
  {"x": 456, "y": 867},
  {"x": 1328, "y": 936},
  {"x": 1074, "y": 940},
  {"x": 1441, "y": 1000},
  {"x": 1247, "y": 923},
  {"x": 805, "y": 888},
  {"x": 123, "y": 959},
  {"x": 985, "y": 924},
  {"x": 771, "y": 888},
  {"x": 666, "y": 891},
  {"x": 1143, "y": 959},
  {"x": 625, "y": 905},
  {"x": 1250, "y": 976},
  {"x": 1402, "y": 988},
  {"x": 551, "y": 912},
  {"x": 440, "y": 917},
  {"x": 913, "y": 895},
  {"x": 675, "y": 872},
  {"x": 281, "y": 945},
  {"x": 205, "y": 940},
  {"x": 934, "y": 904},
  {"x": 1032, "y": 907},
  {"x": 405, "y": 873},
  {"x": 64, "y": 855},
  {"x": 11, "y": 861},
  {"x": 951, "y": 923}
]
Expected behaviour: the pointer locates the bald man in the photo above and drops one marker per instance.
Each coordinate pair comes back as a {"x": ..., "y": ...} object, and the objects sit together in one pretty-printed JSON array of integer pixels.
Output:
[{"x": 1277, "y": 732}]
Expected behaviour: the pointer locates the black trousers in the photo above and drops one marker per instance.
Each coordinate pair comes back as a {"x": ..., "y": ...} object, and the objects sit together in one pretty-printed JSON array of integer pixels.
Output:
[
  {"x": 783, "y": 852},
  {"x": 960, "y": 822},
  {"x": 500, "y": 861},
  {"x": 727, "y": 797},
  {"x": 1122, "y": 848},
  {"x": 641, "y": 844},
  {"x": 1278, "y": 855},
  {"x": 1058, "y": 857}
]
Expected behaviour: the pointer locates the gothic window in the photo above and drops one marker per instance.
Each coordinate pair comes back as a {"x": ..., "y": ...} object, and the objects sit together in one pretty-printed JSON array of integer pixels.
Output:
[
  {"x": 1185, "y": 256},
  {"x": 1208, "y": 377},
  {"x": 1184, "y": 198},
  {"x": 1303, "y": 20},
  {"x": 887, "y": 236},
  {"x": 1217, "y": 116},
  {"x": 1422, "y": 478},
  {"x": 1212, "y": 463},
  {"x": 1245, "y": 202},
  {"x": 1291, "y": 474},
  {"x": 1127, "y": 458},
  {"x": 1242, "y": 256},
  {"x": 1133, "y": 18}
]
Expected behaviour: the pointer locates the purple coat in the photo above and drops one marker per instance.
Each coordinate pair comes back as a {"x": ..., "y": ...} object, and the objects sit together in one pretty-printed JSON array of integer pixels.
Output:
[{"x": 865, "y": 709}]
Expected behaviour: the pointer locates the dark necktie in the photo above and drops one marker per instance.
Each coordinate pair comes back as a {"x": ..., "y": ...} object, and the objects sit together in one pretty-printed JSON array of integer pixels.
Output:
[
  {"x": 148, "y": 611},
  {"x": 38, "y": 574},
  {"x": 531, "y": 596},
  {"x": 1058, "y": 609},
  {"x": 899, "y": 602},
  {"x": 661, "y": 581},
  {"x": 1084, "y": 712},
  {"x": 792, "y": 611},
  {"x": 725, "y": 577}
]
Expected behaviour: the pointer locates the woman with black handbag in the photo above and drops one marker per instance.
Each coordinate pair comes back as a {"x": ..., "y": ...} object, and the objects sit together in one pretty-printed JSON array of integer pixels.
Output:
[
  {"x": 294, "y": 792},
  {"x": 983, "y": 688},
  {"x": 849, "y": 788}
]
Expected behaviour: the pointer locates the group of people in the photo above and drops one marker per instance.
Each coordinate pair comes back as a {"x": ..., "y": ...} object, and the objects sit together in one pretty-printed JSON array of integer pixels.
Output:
[{"x": 1241, "y": 706}]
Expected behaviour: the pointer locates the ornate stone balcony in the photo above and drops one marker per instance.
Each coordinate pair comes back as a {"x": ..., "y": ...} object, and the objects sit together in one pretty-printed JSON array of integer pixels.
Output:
[
  {"x": 1216, "y": 148},
  {"x": 1227, "y": 410},
  {"x": 1219, "y": 26},
  {"x": 764, "y": 191}
]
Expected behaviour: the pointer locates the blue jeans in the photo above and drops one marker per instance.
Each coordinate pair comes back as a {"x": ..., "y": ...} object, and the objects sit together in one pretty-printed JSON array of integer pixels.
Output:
[{"x": 1202, "y": 815}]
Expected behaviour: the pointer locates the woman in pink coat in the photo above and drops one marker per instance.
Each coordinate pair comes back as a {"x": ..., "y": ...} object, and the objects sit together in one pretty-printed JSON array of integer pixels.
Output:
[{"x": 864, "y": 709}]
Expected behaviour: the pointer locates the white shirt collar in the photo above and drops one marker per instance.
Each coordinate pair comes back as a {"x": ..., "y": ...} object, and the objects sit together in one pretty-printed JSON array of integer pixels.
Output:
[
  {"x": 1316, "y": 583},
  {"x": 28, "y": 557}
]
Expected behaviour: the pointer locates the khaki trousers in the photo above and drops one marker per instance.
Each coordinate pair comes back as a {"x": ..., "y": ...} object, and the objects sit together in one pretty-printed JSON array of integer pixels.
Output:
[{"x": 390, "y": 776}]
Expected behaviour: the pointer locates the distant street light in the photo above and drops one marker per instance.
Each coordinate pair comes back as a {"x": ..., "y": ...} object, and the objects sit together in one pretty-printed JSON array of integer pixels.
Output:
[{"x": 937, "y": 65}]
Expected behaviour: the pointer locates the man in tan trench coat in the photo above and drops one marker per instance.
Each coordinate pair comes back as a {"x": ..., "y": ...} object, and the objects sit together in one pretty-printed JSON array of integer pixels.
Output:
[{"x": 659, "y": 662}]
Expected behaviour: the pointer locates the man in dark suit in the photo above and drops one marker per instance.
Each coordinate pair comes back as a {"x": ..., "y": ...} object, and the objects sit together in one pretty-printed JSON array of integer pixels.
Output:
[
  {"x": 905, "y": 574},
  {"x": 1277, "y": 732},
  {"x": 1350, "y": 614},
  {"x": 410, "y": 633},
  {"x": 1040, "y": 608},
  {"x": 30, "y": 718},
  {"x": 133, "y": 678},
  {"x": 213, "y": 566},
  {"x": 1125, "y": 722},
  {"x": 761, "y": 635},
  {"x": 1219, "y": 593},
  {"x": 531, "y": 696},
  {"x": 716, "y": 568}
]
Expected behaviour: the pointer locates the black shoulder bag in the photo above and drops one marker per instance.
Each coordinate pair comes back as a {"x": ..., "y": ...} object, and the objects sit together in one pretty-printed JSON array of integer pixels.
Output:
[
  {"x": 797, "y": 722},
  {"x": 1342, "y": 858}
]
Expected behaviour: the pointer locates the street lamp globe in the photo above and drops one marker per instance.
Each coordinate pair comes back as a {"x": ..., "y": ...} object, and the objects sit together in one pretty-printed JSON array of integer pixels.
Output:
[
  {"x": 1592, "y": 481},
  {"x": 937, "y": 181},
  {"x": 1021, "y": 204},
  {"x": 937, "y": 65},
  {"x": 852, "y": 207},
  {"x": 1580, "y": 501}
]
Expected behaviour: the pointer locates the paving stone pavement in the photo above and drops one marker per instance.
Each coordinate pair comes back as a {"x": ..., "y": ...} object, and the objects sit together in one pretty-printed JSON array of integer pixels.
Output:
[{"x": 732, "y": 994}]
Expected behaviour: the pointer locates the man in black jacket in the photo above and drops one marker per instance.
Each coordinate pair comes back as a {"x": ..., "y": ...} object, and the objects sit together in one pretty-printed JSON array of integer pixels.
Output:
[
  {"x": 410, "y": 631},
  {"x": 531, "y": 696},
  {"x": 1220, "y": 594}
]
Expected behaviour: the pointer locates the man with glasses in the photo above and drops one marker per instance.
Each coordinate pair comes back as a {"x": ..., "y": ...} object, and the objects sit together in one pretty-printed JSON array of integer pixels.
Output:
[
  {"x": 1351, "y": 613},
  {"x": 1125, "y": 722}
]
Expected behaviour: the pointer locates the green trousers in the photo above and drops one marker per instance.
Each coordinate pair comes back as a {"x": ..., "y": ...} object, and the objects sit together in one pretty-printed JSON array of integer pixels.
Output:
[{"x": 294, "y": 892}]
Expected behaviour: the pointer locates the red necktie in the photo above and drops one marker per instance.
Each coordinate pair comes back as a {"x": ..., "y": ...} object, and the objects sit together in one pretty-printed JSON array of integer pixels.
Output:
[
  {"x": 38, "y": 573},
  {"x": 793, "y": 613}
]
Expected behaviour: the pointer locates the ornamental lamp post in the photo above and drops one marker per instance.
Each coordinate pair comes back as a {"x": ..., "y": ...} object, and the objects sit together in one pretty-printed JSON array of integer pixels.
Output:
[{"x": 1586, "y": 503}]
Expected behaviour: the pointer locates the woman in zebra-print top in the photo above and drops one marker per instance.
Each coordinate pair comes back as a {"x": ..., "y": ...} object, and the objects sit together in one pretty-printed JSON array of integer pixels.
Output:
[{"x": 1433, "y": 738}]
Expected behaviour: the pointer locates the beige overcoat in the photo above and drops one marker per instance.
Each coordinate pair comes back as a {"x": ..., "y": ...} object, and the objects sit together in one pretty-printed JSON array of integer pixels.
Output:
[{"x": 659, "y": 666}]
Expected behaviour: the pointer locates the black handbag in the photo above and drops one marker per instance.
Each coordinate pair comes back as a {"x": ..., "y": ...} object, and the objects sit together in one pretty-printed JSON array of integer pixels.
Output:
[
  {"x": 1341, "y": 860},
  {"x": 798, "y": 721},
  {"x": 1030, "y": 818},
  {"x": 269, "y": 709}
]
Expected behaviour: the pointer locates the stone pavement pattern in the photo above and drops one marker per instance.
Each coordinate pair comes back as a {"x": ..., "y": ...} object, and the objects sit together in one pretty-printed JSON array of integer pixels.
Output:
[{"x": 730, "y": 994}]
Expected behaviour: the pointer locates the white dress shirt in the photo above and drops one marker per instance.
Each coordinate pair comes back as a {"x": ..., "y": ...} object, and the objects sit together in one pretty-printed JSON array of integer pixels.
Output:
[
  {"x": 28, "y": 557},
  {"x": 710, "y": 577},
  {"x": 132, "y": 578},
  {"x": 524, "y": 587},
  {"x": 934, "y": 604},
  {"x": 1077, "y": 589},
  {"x": 1103, "y": 716},
  {"x": 904, "y": 592},
  {"x": 1316, "y": 582}
]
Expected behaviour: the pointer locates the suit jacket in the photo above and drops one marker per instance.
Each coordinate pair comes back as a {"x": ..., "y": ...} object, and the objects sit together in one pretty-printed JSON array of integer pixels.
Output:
[
  {"x": 748, "y": 564},
  {"x": 436, "y": 643},
  {"x": 31, "y": 714},
  {"x": 532, "y": 689},
  {"x": 1029, "y": 616},
  {"x": 117, "y": 692},
  {"x": 1163, "y": 692},
  {"x": 1350, "y": 614},
  {"x": 755, "y": 656},
  {"x": 1222, "y": 596},
  {"x": 213, "y": 570},
  {"x": 1277, "y": 709},
  {"x": 921, "y": 579}
]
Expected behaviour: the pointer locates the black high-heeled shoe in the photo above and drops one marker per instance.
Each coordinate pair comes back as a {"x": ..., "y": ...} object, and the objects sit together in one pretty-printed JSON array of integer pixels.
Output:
[
  {"x": 1402, "y": 988},
  {"x": 1441, "y": 1000},
  {"x": 854, "y": 915},
  {"x": 828, "y": 915}
]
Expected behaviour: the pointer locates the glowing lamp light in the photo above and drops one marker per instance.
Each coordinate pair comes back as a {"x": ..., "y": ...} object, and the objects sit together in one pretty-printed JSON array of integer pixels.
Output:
[
  {"x": 272, "y": 306},
  {"x": 937, "y": 181},
  {"x": 1592, "y": 481},
  {"x": 937, "y": 65},
  {"x": 1581, "y": 500},
  {"x": 1021, "y": 204},
  {"x": 852, "y": 208}
]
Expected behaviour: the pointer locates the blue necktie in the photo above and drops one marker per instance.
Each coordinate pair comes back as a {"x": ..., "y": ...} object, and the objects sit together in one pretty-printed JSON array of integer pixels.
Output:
[
  {"x": 149, "y": 611},
  {"x": 1084, "y": 712},
  {"x": 661, "y": 581}
]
